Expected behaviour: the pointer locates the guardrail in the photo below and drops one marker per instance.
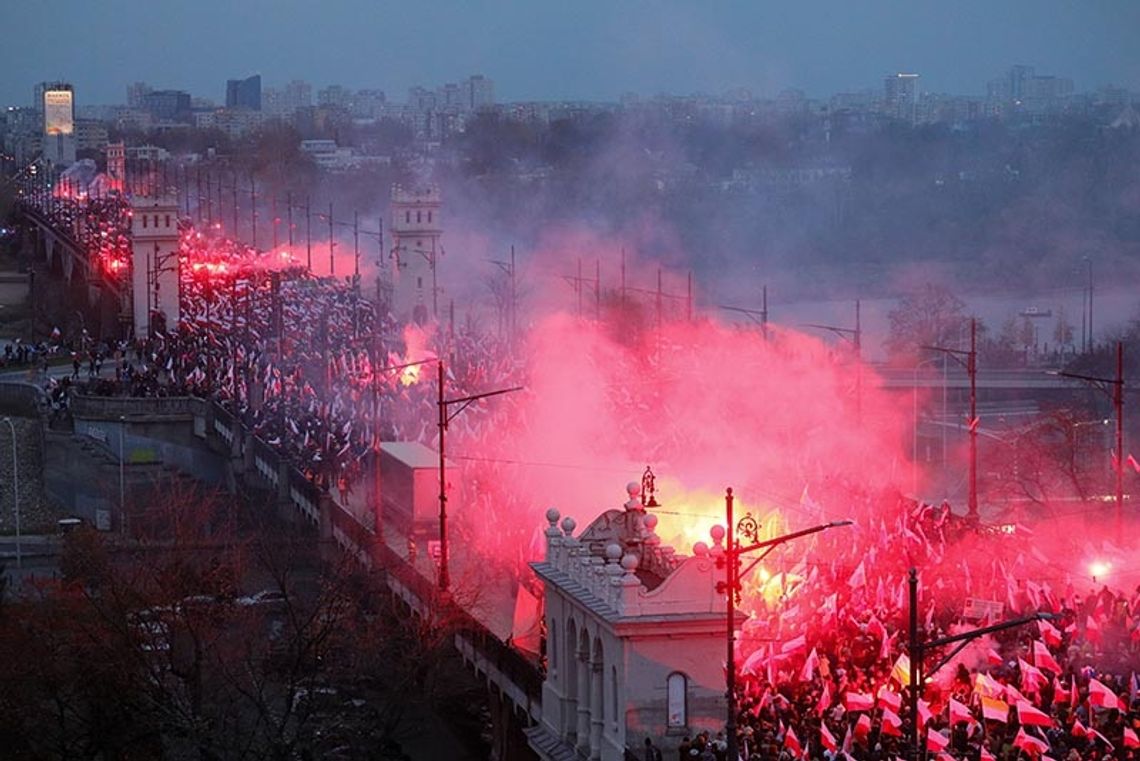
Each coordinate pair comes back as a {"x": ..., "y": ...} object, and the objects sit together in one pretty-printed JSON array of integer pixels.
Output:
[{"x": 113, "y": 407}]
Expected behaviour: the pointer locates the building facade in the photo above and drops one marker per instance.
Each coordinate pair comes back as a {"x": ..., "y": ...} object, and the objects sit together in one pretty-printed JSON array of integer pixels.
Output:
[{"x": 635, "y": 638}]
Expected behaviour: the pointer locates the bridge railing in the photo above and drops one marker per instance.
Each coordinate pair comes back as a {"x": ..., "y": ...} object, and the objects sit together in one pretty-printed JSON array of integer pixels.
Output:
[{"x": 113, "y": 407}]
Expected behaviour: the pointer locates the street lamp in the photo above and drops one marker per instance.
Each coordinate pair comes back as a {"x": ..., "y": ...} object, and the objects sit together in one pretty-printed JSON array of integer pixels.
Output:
[
  {"x": 444, "y": 418},
  {"x": 914, "y": 423},
  {"x": 1117, "y": 396},
  {"x": 855, "y": 336},
  {"x": 16, "y": 493},
  {"x": 730, "y": 587},
  {"x": 969, "y": 360}
]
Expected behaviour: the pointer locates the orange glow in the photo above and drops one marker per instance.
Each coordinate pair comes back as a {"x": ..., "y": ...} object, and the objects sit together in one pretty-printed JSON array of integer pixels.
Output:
[{"x": 410, "y": 375}]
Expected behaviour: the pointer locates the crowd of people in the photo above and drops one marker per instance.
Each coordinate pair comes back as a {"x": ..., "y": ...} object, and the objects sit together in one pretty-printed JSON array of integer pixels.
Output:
[{"x": 827, "y": 666}]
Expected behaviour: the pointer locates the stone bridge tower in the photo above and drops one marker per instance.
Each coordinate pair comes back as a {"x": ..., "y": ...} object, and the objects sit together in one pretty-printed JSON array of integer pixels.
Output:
[
  {"x": 416, "y": 249},
  {"x": 154, "y": 264}
]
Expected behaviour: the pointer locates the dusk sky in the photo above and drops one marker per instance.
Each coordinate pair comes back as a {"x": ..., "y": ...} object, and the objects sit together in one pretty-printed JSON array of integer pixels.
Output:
[{"x": 587, "y": 49}]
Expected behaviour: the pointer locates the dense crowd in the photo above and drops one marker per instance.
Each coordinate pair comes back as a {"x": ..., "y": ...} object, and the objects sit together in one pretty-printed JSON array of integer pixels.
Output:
[{"x": 827, "y": 668}]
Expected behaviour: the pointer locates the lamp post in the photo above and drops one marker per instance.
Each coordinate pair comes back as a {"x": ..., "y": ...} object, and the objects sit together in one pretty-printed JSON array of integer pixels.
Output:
[
  {"x": 122, "y": 473},
  {"x": 1117, "y": 395},
  {"x": 917, "y": 650},
  {"x": 969, "y": 360},
  {"x": 855, "y": 336},
  {"x": 446, "y": 417},
  {"x": 914, "y": 423},
  {"x": 730, "y": 587},
  {"x": 16, "y": 493}
]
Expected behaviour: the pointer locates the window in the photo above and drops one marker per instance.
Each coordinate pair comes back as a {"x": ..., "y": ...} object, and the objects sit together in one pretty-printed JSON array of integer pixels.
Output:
[
  {"x": 144, "y": 227},
  {"x": 419, "y": 217},
  {"x": 420, "y": 284},
  {"x": 677, "y": 689},
  {"x": 429, "y": 217},
  {"x": 407, "y": 217},
  {"x": 168, "y": 220},
  {"x": 614, "y": 695}
]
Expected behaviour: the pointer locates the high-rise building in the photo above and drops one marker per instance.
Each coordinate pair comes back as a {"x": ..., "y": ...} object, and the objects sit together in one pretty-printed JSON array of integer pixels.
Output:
[
  {"x": 480, "y": 92},
  {"x": 168, "y": 105},
  {"x": 136, "y": 93},
  {"x": 334, "y": 96},
  {"x": 57, "y": 104},
  {"x": 901, "y": 97},
  {"x": 244, "y": 93}
]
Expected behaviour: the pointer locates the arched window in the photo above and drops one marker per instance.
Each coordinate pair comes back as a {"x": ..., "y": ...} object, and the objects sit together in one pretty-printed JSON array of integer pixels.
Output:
[
  {"x": 614, "y": 695},
  {"x": 677, "y": 696},
  {"x": 553, "y": 650}
]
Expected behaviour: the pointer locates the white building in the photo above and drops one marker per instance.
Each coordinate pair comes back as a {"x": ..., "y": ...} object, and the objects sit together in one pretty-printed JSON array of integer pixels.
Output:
[
  {"x": 154, "y": 262},
  {"x": 635, "y": 639}
]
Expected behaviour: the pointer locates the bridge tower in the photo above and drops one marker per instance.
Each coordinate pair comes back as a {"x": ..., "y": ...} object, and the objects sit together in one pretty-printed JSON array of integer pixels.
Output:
[
  {"x": 117, "y": 165},
  {"x": 154, "y": 263},
  {"x": 416, "y": 230},
  {"x": 635, "y": 638}
]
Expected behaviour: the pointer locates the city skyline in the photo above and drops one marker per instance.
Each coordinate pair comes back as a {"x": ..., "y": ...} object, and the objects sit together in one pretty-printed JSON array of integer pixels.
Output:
[{"x": 589, "y": 52}]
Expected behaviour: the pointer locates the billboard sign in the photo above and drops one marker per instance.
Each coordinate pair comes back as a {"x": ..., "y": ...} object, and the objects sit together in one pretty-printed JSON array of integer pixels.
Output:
[{"x": 59, "y": 112}]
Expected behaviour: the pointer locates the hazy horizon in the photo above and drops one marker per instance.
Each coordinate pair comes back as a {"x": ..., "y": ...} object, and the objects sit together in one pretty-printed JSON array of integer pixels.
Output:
[{"x": 591, "y": 50}]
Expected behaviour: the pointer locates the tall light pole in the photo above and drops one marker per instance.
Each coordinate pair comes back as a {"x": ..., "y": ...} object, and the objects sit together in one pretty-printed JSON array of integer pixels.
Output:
[
  {"x": 914, "y": 423},
  {"x": 855, "y": 336},
  {"x": 16, "y": 493},
  {"x": 969, "y": 360},
  {"x": 730, "y": 587},
  {"x": 1117, "y": 395},
  {"x": 446, "y": 417},
  {"x": 122, "y": 472}
]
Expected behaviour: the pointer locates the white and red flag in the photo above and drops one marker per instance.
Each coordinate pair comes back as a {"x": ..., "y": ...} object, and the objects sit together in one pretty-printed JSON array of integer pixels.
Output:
[
  {"x": 1033, "y": 746},
  {"x": 858, "y": 701},
  {"x": 1100, "y": 695},
  {"x": 1028, "y": 716},
  {"x": 892, "y": 724},
  {"x": 1043, "y": 659},
  {"x": 1130, "y": 738},
  {"x": 827, "y": 739},
  {"x": 958, "y": 712}
]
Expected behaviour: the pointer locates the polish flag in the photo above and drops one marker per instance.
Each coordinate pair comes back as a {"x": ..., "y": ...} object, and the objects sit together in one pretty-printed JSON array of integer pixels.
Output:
[
  {"x": 994, "y": 710},
  {"x": 1031, "y": 676},
  {"x": 1130, "y": 738},
  {"x": 1049, "y": 633},
  {"x": 858, "y": 701},
  {"x": 1028, "y": 716},
  {"x": 792, "y": 645},
  {"x": 937, "y": 742},
  {"x": 1033, "y": 746},
  {"x": 924, "y": 714},
  {"x": 986, "y": 755},
  {"x": 826, "y": 738},
  {"x": 808, "y": 672},
  {"x": 858, "y": 577},
  {"x": 824, "y": 698},
  {"x": 992, "y": 658},
  {"x": 958, "y": 712},
  {"x": 1043, "y": 658},
  {"x": 1079, "y": 729},
  {"x": 890, "y": 699},
  {"x": 892, "y": 724},
  {"x": 1100, "y": 695},
  {"x": 862, "y": 728},
  {"x": 792, "y": 743},
  {"x": 752, "y": 661},
  {"x": 1074, "y": 696},
  {"x": 1060, "y": 694}
]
